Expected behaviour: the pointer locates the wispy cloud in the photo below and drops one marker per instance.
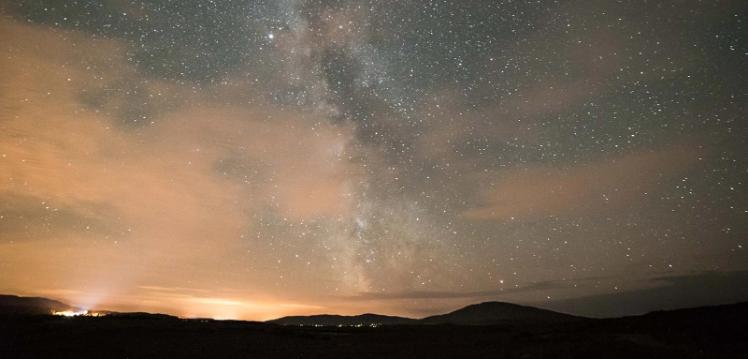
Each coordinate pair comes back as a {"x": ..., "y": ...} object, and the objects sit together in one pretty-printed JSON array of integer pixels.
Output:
[{"x": 610, "y": 183}]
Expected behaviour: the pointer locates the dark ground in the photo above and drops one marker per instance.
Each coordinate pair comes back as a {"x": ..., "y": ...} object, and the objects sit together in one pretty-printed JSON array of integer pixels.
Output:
[{"x": 709, "y": 332}]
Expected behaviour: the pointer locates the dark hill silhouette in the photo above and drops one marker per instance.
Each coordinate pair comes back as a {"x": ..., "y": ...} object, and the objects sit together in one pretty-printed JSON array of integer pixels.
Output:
[
  {"x": 493, "y": 313},
  {"x": 335, "y": 320},
  {"x": 706, "y": 332},
  {"x": 489, "y": 313},
  {"x": 141, "y": 316},
  {"x": 15, "y": 305}
]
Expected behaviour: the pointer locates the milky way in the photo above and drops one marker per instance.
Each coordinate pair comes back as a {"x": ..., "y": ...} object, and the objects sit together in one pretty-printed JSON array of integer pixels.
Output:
[{"x": 251, "y": 159}]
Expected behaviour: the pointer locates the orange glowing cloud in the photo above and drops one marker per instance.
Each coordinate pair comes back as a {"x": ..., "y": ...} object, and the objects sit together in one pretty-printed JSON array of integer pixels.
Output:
[
  {"x": 534, "y": 192},
  {"x": 168, "y": 198}
]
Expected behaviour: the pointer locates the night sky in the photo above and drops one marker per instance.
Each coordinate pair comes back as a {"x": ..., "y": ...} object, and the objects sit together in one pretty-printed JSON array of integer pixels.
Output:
[{"x": 252, "y": 159}]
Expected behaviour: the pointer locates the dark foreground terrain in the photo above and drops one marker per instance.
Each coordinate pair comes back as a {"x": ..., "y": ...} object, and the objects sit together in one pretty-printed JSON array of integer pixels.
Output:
[{"x": 708, "y": 332}]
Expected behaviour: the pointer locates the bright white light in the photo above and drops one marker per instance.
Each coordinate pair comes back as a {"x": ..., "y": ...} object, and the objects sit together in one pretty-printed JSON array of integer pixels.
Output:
[
  {"x": 271, "y": 36},
  {"x": 79, "y": 313},
  {"x": 70, "y": 313}
]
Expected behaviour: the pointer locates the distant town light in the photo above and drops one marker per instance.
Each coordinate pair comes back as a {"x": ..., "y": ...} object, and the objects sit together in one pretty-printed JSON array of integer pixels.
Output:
[
  {"x": 70, "y": 313},
  {"x": 78, "y": 313}
]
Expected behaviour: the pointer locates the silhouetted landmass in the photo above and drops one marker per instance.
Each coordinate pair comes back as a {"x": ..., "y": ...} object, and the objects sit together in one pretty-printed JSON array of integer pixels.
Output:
[
  {"x": 706, "y": 332},
  {"x": 497, "y": 313},
  {"x": 142, "y": 315},
  {"x": 342, "y": 320},
  {"x": 673, "y": 292},
  {"x": 15, "y": 305},
  {"x": 488, "y": 313}
]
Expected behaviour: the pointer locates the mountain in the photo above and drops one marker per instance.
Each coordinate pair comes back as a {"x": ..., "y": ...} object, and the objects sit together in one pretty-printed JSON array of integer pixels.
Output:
[
  {"x": 140, "y": 316},
  {"x": 492, "y": 313},
  {"x": 489, "y": 313},
  {"x": 15, "y": 305},
  {"x": 707, "y": 332},
  {"x": 335, "y": 320}
]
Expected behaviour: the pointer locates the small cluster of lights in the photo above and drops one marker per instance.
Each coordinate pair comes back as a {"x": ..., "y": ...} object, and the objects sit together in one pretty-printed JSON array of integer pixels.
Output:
[
  {"x": 359, "y": 325},
  {"x": 78, "y": 313}
]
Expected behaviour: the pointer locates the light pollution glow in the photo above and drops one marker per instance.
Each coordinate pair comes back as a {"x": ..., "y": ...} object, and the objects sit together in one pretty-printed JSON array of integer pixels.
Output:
[{"x": 301, "y": 157}]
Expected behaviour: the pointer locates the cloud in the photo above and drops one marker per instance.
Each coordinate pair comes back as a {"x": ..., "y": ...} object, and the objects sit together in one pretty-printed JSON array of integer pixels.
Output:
[
  {"x": 165, "y": 198},
  {"x": 540, "y": 191},
  {"x": 291, "y": 149},
  {"x": 428, "y": 295},
  {"x": 662, "y": 293}
]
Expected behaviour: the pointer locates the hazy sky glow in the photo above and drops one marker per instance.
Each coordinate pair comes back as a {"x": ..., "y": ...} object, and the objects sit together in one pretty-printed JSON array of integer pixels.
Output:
[{"x": 252, "y": 159}]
